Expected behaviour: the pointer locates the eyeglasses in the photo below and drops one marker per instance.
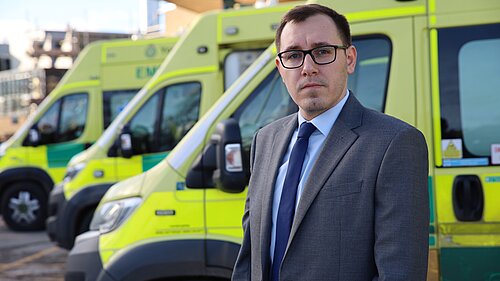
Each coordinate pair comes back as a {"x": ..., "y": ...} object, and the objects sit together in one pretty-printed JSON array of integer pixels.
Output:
[{"x": 320, "y": 55}]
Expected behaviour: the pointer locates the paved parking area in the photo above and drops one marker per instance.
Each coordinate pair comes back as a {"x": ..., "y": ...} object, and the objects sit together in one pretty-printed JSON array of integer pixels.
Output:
[{"x": 29, "y": 256}]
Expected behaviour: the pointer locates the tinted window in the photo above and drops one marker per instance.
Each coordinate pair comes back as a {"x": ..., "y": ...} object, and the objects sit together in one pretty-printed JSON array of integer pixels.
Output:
[
  {"x": 369, "y": 81},
  {"x": 236, "y": 62},
  {"x": 47, "y": 125},
  {"x": 480, "y": 94},
  {"x": 142, "y": 126},
  {"x": 73, "y": 117},
  {"x": 181, "y": 108},
  {"x": 469, "y": 67},
  {"x": 114, "y": 102},
  {"x": 165, "y": 118},
  {"x": 64, "y": 120},
  {"x": 268, "y": 102}
]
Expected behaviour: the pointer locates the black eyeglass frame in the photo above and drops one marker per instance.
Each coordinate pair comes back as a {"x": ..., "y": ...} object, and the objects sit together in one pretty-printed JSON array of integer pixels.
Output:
[{"x": 306, "y": 52}]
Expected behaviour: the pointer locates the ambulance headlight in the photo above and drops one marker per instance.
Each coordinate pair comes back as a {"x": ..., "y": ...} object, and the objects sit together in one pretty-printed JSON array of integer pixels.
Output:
[{"x": 111, "y": 215}]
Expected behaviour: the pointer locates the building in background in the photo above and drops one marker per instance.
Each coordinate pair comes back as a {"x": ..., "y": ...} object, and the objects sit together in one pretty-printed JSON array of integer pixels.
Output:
[
  {"x": 51, "y": 54},
  {"x": 5, "y": 57}
]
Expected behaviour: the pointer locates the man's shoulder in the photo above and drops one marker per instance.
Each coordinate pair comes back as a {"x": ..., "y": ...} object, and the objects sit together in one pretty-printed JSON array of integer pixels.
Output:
[{"x": 379, "y": 122}]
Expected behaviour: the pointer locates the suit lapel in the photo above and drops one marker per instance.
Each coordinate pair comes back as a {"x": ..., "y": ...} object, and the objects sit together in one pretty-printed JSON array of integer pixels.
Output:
[
  {"x": 280, "y": 144},
  {"x": 337, "y": 143}
]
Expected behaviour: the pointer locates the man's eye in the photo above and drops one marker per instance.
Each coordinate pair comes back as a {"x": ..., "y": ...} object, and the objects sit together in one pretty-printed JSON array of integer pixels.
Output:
[
  {"x": 293, "y": 56},
  {"x": 323, "y": 52}
]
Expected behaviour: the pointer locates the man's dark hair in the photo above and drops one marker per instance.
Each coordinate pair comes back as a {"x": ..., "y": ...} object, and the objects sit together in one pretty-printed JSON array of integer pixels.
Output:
[{"x": 303, "y": 12}]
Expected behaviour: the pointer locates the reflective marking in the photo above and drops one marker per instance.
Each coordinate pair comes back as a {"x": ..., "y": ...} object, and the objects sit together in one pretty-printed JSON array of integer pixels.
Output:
[
  {"x": 436, "y": 110},
  {"x": 82, "y": 84},
  {"x": 432, "y": 241},
  {"x": 386, "y": 13},
  {"x": 431, "y": 205},
  {"x": 25, "y": 260},
  {"x": 432, "y": 12},
  {"x": 182, "y": 72}
]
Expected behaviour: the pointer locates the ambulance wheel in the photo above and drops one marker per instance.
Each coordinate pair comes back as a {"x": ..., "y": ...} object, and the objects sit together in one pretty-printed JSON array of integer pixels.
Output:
[{"x": 24, "y": 206}]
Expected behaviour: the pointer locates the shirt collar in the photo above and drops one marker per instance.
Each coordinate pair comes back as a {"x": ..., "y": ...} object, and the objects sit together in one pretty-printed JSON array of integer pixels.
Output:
[{"x": 324, "y": 122}]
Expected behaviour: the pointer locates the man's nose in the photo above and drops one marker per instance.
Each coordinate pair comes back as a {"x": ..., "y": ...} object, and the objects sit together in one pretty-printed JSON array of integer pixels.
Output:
[{"x": 309, "y": 67}]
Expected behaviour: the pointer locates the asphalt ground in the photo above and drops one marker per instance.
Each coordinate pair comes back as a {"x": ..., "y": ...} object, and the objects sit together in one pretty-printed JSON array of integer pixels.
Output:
[{"x": 27, "y": 256}]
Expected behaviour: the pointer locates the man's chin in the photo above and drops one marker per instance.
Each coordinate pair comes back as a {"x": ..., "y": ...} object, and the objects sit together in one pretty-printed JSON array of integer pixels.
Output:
[{"x": 312, "y": 109}]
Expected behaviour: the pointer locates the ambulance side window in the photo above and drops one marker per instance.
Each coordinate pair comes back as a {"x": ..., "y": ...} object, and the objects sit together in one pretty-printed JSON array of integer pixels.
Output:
[
  {"x": 73, "y": 117},
  {"x": 269, "y": 102},
  {"x": 236, "y": 63},
  {"x": 469, "y": 89},
  {"x": 142, "y": 126},
  {"x": 181, "y": 108},
  {"x": 369, "y": 80},
  {"x": 64, "y": 120},
  {"x": 47, "y": 125},
  {"x": 114, "y": 102},
  {"x": 165, "y": 118}
]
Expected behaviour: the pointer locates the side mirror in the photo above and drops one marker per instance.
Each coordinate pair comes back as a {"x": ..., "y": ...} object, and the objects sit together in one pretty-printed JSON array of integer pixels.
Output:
[
  {"x": 229, "y": 175},
  {"x": 125, "y": 143},
  {"x": 200, "y": 175},
  {"x": 221, "y": 163},
  {"x": 33, "y": 138}
]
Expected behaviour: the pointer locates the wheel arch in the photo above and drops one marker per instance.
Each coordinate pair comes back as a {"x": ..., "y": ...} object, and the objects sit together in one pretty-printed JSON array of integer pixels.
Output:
[
  {"x": 31, "y": 174},
  {"x": 75, "y": 209},
  {"x": 174, "y": 259}
]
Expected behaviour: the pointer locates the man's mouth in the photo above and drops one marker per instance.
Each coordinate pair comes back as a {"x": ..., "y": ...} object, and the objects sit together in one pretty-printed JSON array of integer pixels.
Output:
[{"x": 311, "y": 85}]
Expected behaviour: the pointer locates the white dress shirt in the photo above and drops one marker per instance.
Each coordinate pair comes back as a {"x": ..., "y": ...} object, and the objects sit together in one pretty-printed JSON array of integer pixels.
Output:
[{"x": 323, "y": 123}]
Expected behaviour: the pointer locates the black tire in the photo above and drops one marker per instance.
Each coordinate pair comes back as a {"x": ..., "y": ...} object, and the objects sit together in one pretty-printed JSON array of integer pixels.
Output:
[
  {"x": 24, "y": 206},
  {"x": 83, "y": 224}
]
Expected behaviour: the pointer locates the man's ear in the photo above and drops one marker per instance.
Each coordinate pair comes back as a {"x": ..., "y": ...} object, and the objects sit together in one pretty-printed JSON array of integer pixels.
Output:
[
  {"x": 279, "y": 67},
  {"x": 277, "y": 62},
  {"x": 352, "y": 55}
]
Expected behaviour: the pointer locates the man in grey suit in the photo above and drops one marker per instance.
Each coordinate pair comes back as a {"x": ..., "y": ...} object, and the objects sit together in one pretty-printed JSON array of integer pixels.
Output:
[{"x": 337, "y": 191}]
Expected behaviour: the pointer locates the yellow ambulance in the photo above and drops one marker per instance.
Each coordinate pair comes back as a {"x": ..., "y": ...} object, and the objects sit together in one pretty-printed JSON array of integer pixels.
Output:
[
  {"x": 434, "y": 64},
  {"x": 208, "y": 58},
  {"x": 105, "y": 76}
]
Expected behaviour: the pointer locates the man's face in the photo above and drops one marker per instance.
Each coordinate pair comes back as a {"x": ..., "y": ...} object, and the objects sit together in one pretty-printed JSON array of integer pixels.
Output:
[{"x": 315, "y": 88}]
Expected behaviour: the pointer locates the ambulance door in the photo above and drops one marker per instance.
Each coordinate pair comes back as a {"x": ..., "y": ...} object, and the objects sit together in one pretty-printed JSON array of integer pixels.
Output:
[{"x": 466, "y": 71}]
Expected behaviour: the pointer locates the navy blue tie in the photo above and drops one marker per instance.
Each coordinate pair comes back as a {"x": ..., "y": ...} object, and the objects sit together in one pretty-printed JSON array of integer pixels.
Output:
[{"x": 286, "y": 209}]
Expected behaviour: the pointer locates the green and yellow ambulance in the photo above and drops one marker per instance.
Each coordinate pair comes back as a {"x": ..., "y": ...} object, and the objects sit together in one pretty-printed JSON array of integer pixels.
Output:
[
  {"x": 105, "y": 76},
  {"x": 208, "y": 58},
  {"x": 434, "y": 64}
]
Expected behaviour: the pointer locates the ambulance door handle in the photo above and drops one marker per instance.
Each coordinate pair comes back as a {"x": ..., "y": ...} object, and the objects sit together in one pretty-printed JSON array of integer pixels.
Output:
[{"x": 468, "y": 198}]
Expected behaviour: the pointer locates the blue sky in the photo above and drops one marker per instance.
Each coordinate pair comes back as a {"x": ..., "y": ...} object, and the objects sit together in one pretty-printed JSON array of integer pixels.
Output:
[{"x": 85, "y": 15}]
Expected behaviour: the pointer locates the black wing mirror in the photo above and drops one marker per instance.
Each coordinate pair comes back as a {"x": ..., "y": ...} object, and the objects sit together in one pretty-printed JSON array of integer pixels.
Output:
[
  {"x": 125, "y": 143},
  {"x": 220, "y": 164},
  {"x": 33, "y": 137}
]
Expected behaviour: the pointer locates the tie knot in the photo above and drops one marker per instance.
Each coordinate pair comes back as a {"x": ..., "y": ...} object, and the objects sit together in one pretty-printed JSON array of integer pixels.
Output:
[{"x": 306, "y": 129}]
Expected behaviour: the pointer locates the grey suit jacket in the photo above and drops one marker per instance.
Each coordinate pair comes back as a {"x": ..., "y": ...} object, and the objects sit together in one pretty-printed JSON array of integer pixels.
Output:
[{"x": 363, "y": 214}]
